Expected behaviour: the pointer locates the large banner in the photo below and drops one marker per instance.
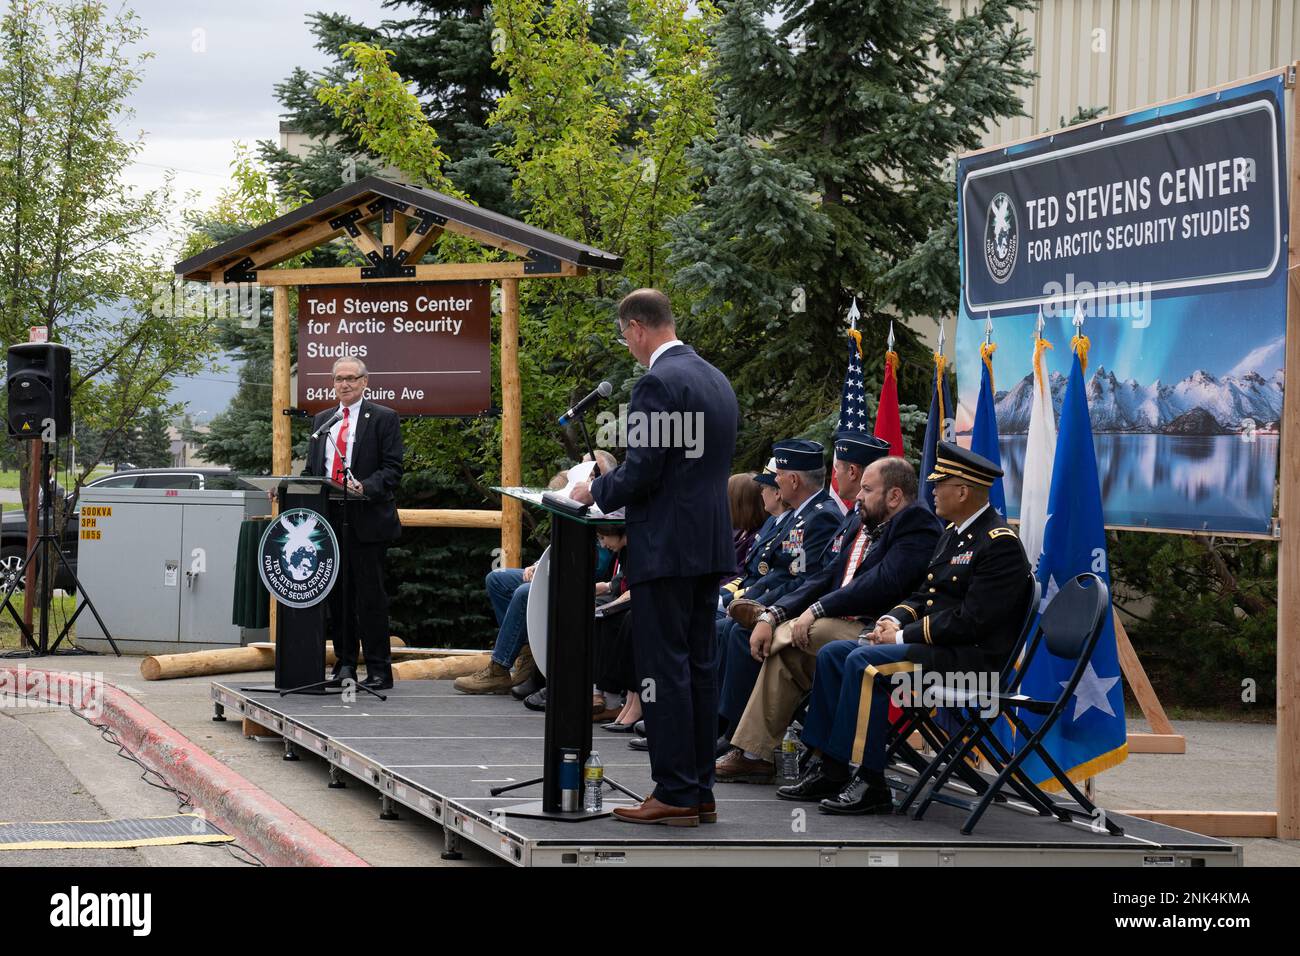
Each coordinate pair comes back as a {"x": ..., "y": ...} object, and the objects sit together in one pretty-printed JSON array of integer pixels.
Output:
[{"x": 1165, "y": 230}]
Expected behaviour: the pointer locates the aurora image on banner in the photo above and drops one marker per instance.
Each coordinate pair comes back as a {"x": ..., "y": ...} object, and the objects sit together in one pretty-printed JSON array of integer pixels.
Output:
[{"x": 1165, "y": 229}]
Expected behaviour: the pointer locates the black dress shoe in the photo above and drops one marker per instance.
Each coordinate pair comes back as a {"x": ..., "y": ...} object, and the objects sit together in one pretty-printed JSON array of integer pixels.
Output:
[
  {"x": 639, "y": 728},
  {"x": 343, "y": 673},
  {"x": 860, "y": 797},
  {"x": 528, "y": 687},
  {"x": 721, "y": 747},
  {"x": 638, "y": 743},
  {"x": 536, "y": 701},
  {"x": 813, "y": 786},
  {"x": 376, "y": 682}
]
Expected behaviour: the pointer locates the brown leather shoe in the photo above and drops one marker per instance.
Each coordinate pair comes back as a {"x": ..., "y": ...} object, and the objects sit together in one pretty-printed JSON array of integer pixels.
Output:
[
  {"x": 735, "y": 767},
  {"x": 708, "y": 813},
  {"x": 652, "y": 811}
]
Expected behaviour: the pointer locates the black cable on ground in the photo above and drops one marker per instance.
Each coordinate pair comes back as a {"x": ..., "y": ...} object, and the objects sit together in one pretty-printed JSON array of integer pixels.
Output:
[{"x": 183, "y": 799}]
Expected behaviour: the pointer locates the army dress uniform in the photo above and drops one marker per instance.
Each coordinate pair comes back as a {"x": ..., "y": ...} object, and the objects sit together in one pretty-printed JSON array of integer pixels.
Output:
[{"x": 965, "y": 616}]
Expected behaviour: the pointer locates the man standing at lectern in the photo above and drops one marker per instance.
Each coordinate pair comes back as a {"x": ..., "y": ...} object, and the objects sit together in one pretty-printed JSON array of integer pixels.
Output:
[
  {"x": 679, "y": 544},
  {"x": 363, "y": 450}
]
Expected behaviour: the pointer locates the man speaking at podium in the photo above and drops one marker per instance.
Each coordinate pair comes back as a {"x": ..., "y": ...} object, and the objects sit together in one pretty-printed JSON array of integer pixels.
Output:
[
  {"x": 679, "y": 544},
  {"x": 362, "y": 449}
]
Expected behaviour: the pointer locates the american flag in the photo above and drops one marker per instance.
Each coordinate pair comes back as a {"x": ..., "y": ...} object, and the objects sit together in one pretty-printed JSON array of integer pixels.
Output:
[{"x": 853, "y": 398}]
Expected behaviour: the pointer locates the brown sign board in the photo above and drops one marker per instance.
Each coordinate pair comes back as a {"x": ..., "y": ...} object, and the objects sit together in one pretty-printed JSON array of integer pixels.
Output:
[{"x": 427, "y": 345}]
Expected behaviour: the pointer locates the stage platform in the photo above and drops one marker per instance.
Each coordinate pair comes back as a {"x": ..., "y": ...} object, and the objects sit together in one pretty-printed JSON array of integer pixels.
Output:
[{"x": 437, "y": 753}]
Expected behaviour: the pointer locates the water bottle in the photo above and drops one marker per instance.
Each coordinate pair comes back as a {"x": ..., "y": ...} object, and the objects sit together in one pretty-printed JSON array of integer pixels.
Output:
[
  {"x": 593, "y": 775},
  {"x": 569, "y": 781},
  {"x": 787, "y": 757}
]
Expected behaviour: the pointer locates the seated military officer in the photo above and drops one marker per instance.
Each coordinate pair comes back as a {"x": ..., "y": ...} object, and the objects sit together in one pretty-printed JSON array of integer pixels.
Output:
[
  {"x": 853, "y": 453},
  {"x": 883, "y": 561},
  {"x": 965, "y": 617},
  {"x": 802, "y": 539}
]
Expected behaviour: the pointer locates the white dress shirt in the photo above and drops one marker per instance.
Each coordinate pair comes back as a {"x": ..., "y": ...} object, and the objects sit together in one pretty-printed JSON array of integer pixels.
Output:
[
  {"x": 354, "y": 412},
  {"x": 662, "y": 349}
]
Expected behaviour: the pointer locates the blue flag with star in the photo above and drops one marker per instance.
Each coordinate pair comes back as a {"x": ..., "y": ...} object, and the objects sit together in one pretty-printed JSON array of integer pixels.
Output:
[
  {"x": 938, "y": 427},
  {"x": 984, "y": 435},
  {"x": 1090, "y": 735}
]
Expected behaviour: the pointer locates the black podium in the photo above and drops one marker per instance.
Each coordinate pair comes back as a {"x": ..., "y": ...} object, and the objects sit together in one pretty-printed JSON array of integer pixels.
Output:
[
  {"x": 571, "y": 608},
  {"x": 300, "y": 630}
]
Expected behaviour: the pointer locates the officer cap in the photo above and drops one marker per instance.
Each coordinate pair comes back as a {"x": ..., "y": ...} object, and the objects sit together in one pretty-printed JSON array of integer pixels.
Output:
[
  {"x": 768, "y": 475},
  {"x": 953, "y": 461},
  {"x": 860, "y": 448},
  {"x": 797, "y": 454}
]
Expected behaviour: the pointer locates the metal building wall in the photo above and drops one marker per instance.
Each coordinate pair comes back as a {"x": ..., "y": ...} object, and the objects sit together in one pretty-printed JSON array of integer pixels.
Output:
[{"x": 1124, "y": 54}]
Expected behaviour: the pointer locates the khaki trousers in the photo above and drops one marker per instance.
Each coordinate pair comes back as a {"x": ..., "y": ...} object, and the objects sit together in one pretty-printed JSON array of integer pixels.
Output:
[{"x": 786, "y": 676}]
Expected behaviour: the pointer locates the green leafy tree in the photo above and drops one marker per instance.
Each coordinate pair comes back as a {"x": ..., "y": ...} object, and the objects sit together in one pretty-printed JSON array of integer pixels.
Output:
[
  {"x": 832, "y": 175},
  {"x": 444, "y": 49}
]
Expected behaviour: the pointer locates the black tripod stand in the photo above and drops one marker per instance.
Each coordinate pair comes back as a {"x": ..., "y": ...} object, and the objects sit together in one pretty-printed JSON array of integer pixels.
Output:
[{"x": 49, "y": 541}]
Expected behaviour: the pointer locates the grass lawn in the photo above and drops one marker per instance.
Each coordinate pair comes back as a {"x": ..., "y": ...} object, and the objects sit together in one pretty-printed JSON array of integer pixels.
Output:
[
  {"x": 61, "y": 609},
  {"x": 9, "y": 479}
]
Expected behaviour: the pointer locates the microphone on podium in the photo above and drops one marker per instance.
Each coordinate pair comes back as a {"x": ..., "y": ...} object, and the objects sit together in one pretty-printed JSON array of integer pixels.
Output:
[
  {"x": 603, "y": 390},
  {"x": 338, "y": 413}
]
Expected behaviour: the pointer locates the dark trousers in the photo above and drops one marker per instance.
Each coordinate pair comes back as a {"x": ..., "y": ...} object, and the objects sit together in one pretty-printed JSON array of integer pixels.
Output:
[
  {"x": 739, "y": 673},
  {"x": 361, "y": 578},
  {"x": 674, "y": 640}
]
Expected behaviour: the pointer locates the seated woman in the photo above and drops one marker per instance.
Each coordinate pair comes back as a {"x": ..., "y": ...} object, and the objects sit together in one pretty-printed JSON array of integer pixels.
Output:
[{"x": 612, "y": 661}]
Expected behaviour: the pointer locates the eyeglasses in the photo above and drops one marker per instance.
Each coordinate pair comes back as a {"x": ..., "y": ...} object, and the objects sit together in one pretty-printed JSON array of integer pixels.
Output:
[
  {"x": 621, "y": 335},
  {"x": 347, "y": 379}
]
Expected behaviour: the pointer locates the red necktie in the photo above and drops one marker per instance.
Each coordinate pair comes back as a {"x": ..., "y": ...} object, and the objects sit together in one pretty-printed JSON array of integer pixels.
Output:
[{"x": 340, "y": 446}]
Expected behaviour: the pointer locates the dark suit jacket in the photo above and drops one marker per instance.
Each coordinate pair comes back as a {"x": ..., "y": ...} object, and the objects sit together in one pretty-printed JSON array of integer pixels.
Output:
[
  {"x": 678, "y": 515},
  {"x": 893, "y": 566},
  {"x": 376, "y": 462}
]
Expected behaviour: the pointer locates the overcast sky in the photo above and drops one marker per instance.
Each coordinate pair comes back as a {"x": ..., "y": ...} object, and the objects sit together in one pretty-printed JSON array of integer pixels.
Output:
[{"x": 211, "y": 81}]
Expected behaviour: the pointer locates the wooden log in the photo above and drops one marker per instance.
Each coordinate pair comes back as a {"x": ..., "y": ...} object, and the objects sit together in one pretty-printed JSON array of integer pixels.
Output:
[
  {"x": 512, "y": 525},
  {"x": 448, "y": 518},
  {"x": 281, "y": 447},
  {"x": 222, "y": 660},
  {"x": 440, "y": 668},
  {"x": 231, "y": 660}
]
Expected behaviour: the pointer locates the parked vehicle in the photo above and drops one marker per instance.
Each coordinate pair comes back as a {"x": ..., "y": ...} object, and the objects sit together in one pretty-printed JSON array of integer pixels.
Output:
[{"x": 13, "y": 524}]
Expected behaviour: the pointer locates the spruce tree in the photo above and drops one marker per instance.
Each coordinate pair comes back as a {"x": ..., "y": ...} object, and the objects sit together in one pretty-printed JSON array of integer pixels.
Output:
[
  {"x": 833, "y": 175},
  {"x": 444, "y": 48}
]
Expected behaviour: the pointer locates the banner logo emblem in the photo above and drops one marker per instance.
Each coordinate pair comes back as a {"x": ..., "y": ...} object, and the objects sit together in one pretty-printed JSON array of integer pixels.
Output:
[
  {"x": 1001, "y": 238},
  {"x": 298, "y": 558}
]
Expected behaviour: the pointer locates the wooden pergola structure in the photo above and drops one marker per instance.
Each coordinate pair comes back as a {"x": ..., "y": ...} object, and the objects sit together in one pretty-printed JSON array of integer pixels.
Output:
[{"x": 394, "y": 226}]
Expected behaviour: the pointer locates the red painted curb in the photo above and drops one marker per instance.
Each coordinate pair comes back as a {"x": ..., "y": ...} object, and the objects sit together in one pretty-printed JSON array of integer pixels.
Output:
[{"x": 265, "y": 826}]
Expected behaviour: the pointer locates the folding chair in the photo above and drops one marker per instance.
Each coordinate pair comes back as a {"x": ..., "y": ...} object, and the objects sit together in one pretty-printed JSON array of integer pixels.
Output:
[
  {"x": 941, "y": 740},
  {"x": 1070, "y": 628}
]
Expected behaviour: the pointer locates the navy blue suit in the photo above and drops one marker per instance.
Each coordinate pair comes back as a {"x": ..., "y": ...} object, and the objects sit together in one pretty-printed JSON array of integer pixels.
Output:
[{"x": 679, "y": 539}]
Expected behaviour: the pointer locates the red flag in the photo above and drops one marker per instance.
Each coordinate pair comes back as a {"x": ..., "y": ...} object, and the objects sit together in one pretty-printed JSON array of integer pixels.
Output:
[{"x": 889, "y": 426}]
